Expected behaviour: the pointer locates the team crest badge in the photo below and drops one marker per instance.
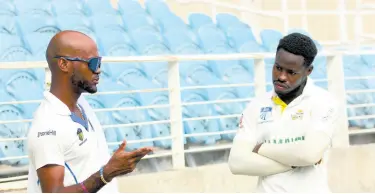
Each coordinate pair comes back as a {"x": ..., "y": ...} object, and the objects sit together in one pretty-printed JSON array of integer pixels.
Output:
[
  {"x": 298, "y": 115},
  {"x": 80, "y": 134},
  {"x": 265, "y": 113}
]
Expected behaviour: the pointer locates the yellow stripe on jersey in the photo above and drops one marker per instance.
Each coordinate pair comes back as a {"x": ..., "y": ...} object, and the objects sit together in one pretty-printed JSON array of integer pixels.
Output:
[{"x": 279, "y": 102}]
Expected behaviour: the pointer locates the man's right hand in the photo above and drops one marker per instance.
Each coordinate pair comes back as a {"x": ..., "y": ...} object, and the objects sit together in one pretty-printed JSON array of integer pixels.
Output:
[{"x": 123, "y": 162}]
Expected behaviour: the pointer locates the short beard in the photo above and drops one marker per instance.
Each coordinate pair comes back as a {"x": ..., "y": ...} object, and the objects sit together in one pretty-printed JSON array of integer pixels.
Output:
[{"x": 81, "y": 86}]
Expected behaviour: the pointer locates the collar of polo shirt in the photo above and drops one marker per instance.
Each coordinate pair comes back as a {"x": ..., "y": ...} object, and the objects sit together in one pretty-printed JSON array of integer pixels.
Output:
[
  {"x": 305, "y": 93},
  {"x": 59, "y": 107}
]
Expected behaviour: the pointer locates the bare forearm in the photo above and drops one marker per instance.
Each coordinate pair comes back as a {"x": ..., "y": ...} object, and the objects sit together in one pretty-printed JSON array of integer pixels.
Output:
[{"x": 93, "y": 184}]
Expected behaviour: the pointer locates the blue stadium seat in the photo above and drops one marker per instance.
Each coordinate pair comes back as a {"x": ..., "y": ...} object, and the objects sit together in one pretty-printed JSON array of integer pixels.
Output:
[
  {"x": 26, "y": 85},
  {"x": 196, "y": 20},
  {"x": 138, "y": 21},
  {"x": 195, "y": 111},
  {"x": 270, "y": 39},
  {"x": 238, "y": 35},
  {"x": 230, "y": 108},
  {"x": 7, "y": 8},
  {"x": 131, "y": 133},
  {"x": 12, "y": 49},
  {"x": 12, "y": 130},
  {"x": 158, "y": 9},
  {"x": 151, "y": 43},
  {"x": 37, "y": 44},
  {"x": 211, "y": 37},
  {"x": 94, "y": 7},
  {"x": 107, "y": 22},
  {"x": 157, "y": 114},
  {"x": 130, "y": 7},
  {"x": 231, "y": 71},
  {"x": 28, "y": 24},
  {"x": 68, "y": 7},
  {"x": 177, "y": 39},
  {"x": 172, "y": 22},
  {"x": 7, "y": 25},
  {"x": 115, "y": 43},
  {"x": 39, "y": 8},
  {"x": 77, "y": 23}
]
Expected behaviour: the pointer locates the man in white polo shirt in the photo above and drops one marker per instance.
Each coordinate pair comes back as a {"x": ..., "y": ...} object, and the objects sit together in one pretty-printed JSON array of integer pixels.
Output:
[
  {"x": 67, "y": 147},
  {"x": 283, "y": 136}
]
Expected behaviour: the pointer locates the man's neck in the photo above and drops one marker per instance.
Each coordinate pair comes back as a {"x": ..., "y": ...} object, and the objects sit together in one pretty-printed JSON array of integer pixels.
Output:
[
  {"x": 66, "y": 95},
  {"x": 288, "y": 98}
]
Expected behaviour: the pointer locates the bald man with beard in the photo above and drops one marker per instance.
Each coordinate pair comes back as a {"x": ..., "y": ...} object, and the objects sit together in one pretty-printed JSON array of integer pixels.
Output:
[{"x": 67, "y": 147}]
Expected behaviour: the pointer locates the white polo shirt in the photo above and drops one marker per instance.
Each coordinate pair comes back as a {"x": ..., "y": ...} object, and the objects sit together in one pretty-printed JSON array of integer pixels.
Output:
[
  {"x": 272, "y": 121},
  {"x": 59, "y": 137}
]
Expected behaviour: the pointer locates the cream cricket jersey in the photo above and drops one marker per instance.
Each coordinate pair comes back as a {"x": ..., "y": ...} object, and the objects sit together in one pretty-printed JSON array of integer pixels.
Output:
[
  {"x": 59, "y": 137},
  {"x": 272, "y": 121}
]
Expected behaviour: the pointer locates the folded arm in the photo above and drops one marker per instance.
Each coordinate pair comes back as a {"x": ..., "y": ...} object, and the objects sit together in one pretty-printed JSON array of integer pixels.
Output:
[
  {"x": 301, "y": 153},
  {"x": 243, "y": 161},
  {"x": 310, "y": 150}
]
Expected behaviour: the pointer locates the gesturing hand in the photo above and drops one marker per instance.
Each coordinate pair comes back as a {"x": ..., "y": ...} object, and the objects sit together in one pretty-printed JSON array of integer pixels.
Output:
[{"x": 123, "y": 162}]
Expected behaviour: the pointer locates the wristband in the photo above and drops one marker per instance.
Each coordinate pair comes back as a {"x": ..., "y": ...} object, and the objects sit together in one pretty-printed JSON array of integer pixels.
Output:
[
  {"x": 102, "y": 176},
  {"x": 84, "y": 188}
]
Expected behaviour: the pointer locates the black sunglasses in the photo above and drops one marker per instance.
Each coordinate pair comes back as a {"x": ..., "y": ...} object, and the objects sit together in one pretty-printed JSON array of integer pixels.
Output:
[{"x": 93, "y": 63}]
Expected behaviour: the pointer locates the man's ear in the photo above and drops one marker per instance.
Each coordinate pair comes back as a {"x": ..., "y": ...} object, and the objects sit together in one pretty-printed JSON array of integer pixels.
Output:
[
  {"x": 63, "y": 65},
  {"x": 310, "y": 69}
]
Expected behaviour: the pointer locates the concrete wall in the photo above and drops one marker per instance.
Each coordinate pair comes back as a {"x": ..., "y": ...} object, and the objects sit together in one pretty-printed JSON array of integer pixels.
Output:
[{"x": 350, "y": 170}]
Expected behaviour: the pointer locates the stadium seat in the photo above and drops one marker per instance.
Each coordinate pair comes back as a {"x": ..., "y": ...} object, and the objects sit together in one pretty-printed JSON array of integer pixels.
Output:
[
  {"x": 12, "y": 130},
  {"x": 107, "y": 22},
  {"x": 196, "y": 111},
  {"x": 39, "y": 8},
  {"x": 68, "y": 7},
  {"x": 37, "y": 43},
  {"x": 238, "y": 35},
  {"x": 158, "y": 9},
  {"x": 93, "y": 7},
  {"x": 130, "y": 7},
  {"x": 77, "y": 23},
  {"x": 7, "y": 8},
  {"x": 172, "y": 22},
  {"x": 211, "y": 37},
  {"x": 196, "y": 20},
  {"x": 231, "y": 71},
  {"x": 130, "y": 133},
  {"x": 42, "y": 24},
  {"x": 270, "y": 39},
  {"x": 138, "y": 21},
  {"x": 178, "y": 39},
  {"x": 230, "y": 108},
  {"x": 25, "y": 85},
  {"x": 12, "y": 48},
  {"x": 161, "y": 130},
  {"x": 7, "y": 25}
]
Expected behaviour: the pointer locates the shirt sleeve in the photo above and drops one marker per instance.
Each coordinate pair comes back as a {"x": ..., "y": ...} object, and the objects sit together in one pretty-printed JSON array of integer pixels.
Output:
[
  {"x": 324, "y": 117},
  {"x": 45, "y": 148}
]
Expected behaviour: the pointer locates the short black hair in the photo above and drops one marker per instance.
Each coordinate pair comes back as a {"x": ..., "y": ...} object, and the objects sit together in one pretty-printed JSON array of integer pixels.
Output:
[{"x": 299, "y": 44}]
